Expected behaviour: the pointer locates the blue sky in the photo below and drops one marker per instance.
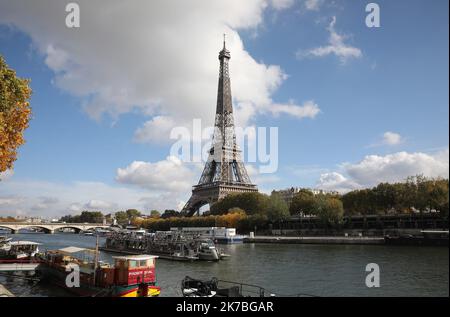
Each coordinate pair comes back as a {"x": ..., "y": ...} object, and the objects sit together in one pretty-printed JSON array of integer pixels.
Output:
[{"x": 380, "y": 94}]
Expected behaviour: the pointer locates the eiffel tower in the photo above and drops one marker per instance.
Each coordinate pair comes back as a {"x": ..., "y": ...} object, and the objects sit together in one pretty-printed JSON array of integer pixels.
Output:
[{"x": 224, "y": 172}]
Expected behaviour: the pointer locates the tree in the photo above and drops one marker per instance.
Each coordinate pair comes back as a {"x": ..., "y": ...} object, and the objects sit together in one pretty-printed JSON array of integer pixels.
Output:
[
  {"x": 303, "y": 202},
  {"x": 15, "y": 114},
  {"x": 277, "y": 208},
  {"x": 236, "y": 210},
  {"x": 330, "y": 210},
  {"x": 155, "y": 214},
  {"x": 132, "y": 213},
  {"x": 170, "y": 213},
  {"x": 121, "y": 217},
  {"x": 91, "y": 216},
  {"x": 85, "y": 216},
  {"x": 252, "y": 203}
]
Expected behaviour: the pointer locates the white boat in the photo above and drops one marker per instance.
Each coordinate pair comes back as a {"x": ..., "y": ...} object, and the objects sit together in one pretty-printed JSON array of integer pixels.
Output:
[
  {"x": 20, "y": 250},
  {"x": 217, "y": 234},
  {"x": 4, "y": 243},
  {"x": 207, "y": 250}
]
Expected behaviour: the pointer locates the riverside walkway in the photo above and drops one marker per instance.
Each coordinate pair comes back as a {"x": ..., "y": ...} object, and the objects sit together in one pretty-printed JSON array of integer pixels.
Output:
[{"x": 315, "y": 240}]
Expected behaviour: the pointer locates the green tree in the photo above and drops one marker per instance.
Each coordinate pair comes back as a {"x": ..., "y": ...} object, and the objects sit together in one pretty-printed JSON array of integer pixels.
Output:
[
  {"x": 132, "y": 213},
  {"x": 303, "y": 202},
  {"x": 329, "y": 210},
  {"x": 85, "y": 216},
  {"x": 155, "y": 214},
  {"x": 252, "y": 203},
  {"x": 236, "y": 210},
  {"x": 15, "y": 114},
  {"x": 170, "y": 213},
  {"x": 277, "y": 208},
  {"x": 121, "y": 217},
  {"x": 91, "y": 216}
]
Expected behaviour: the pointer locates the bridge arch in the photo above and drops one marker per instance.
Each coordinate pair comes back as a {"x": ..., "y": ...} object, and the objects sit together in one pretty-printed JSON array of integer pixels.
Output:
[
  {"x": 52, "y": 227},
  {"x": 76, "y": 228},
  {"x": 45, "y": 229},
  {"x": 15, "y": 229},
  {"x": 6, "y": 227}
]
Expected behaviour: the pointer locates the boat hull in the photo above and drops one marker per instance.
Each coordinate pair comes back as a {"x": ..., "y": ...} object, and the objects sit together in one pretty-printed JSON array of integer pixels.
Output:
[{"x": 58, "y": 277}]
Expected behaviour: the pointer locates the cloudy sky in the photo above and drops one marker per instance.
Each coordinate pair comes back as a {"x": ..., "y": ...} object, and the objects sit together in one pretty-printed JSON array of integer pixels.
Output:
[{"x": 354, "y": 106}]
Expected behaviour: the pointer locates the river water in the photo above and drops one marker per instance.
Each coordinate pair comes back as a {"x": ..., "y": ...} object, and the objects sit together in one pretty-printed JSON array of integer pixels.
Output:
[{"x": 284, "y": 270}]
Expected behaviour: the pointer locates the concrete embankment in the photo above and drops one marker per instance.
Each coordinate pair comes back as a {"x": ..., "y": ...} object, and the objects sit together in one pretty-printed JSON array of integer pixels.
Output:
[
  {"x": 4, "y": 292},
  {"x": 315, "y": 240}
]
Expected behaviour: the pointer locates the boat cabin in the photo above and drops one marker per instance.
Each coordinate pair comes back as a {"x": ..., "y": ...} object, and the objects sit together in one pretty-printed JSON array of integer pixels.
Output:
[
  {"x": 134, "y": 269},
  {"x": 22, "y": 249}
]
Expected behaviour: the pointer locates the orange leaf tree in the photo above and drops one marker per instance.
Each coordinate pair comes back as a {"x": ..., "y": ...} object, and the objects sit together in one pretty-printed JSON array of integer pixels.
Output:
[{"x": 15, "y": 114}]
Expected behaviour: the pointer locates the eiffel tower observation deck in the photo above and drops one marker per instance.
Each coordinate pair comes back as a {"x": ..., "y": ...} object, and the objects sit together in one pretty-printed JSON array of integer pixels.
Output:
[{"x": 224, "y": 172}]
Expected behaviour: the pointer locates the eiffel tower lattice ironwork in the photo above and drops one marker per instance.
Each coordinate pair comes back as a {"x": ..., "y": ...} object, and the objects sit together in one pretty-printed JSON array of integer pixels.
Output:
[{"x": 224, "y": 172}]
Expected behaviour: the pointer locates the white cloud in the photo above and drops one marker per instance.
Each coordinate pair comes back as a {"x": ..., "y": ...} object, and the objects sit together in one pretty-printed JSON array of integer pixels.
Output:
[
  {"x": 313, "y": 5},
  {"x": 335, "y": 46},
  {"x": 75, "y": 207},
  {"x": 336, "y": 181},
  {"x": 259, "y": 178},
  {"x": 170, "y": 175},
  {"x": 282, "y": 4},
  {"x": 45, "y": 203},
  {"x": 156, "y": 130},
  {"x": 375, "y": 169},
  {"x": 56, "y": 59},
  {"x": 151, "y": 56},
  {"x": 6, "y": 174},
  {"x": 72, "y": 198},
  {"x": 11, "y": 200},
  {"x": 392, "y": 138},
  {"x": 388, "y": 139},
  {"x": 308, "y": 110},
  {"x": 95, "y": 204}
]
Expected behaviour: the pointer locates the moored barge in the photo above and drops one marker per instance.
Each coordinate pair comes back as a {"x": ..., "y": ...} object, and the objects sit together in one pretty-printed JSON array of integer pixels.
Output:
[
  {"x": 130, "y": 276},
  {"x": 166, "y": 244}
]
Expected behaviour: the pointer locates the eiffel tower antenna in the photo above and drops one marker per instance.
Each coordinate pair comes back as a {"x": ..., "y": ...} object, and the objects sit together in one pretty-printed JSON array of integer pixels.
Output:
[{"x": 224, "y": 172}]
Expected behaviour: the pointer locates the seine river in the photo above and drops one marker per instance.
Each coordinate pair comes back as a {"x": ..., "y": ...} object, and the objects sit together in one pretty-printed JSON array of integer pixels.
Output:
[{"x": 284, "y": 270}]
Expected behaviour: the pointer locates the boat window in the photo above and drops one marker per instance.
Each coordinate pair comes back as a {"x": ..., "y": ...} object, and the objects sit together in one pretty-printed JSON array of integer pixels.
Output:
[
  {"x": 132, "y": 263},
  {"x": 143, "y": 263}
]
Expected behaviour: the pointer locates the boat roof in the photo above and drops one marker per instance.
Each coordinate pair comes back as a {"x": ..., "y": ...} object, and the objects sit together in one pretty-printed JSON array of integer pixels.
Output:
[
  {"x": 24, "y": 243},
  {"x": 71, "y": 250},
  {"x": 136, "y": 257}
]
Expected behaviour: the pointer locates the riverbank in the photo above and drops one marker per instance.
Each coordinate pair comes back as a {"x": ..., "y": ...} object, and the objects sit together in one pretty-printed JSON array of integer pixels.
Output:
[{"x": 316, "y": 240}]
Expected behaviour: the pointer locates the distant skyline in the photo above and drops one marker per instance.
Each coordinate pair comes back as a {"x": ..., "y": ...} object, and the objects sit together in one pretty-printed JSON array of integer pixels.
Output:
[{"x": 354, "y": 106}]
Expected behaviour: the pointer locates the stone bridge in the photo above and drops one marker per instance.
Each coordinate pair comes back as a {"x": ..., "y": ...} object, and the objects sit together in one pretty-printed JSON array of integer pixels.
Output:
[{"x": 50, "y": 227}]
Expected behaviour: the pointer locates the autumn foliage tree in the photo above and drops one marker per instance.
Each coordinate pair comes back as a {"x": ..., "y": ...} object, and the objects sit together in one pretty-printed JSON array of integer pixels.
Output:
[{"x": 15, "y": 114}]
